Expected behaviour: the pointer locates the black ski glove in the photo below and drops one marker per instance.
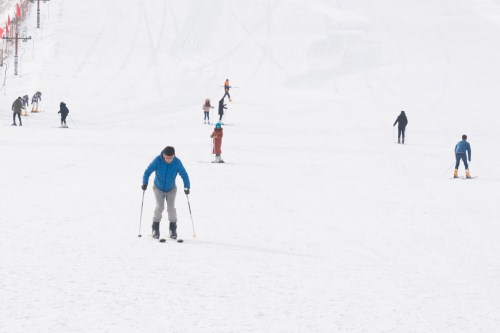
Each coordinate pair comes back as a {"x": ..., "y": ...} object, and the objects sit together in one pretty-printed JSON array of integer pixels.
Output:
[
  {"x": 144, "y": 187},
  {"x": 186, "y": 190}
]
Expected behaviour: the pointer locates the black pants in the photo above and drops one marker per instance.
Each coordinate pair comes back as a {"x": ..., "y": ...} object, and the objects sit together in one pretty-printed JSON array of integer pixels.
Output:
[
  {"x": 220, "y": 116},
  {"x": 207, "y": 115},
  {"x": 14, "y": 118},
  {"x": 226, "y": 93},
  {"x": 463, "y": 157},
  {"x": 63, "y": 119},
  {"x": 401, "y": 131}
]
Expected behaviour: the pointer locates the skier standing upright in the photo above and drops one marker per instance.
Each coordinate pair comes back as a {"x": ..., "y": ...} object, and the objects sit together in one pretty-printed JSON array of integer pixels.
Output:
[
  {"x": 222, "y": 106},
  {"x": 402, "y": 121},
  {"x": 63, "y": 110},
  {"x": 217, "y": 135},
  {"x": 462, "y": 149},
  {"x": 166, "y": 167},
  {"x": 206, "y": 110},
  {"x": 226, "y": 90},
  {"x": 17, "y": 107}
]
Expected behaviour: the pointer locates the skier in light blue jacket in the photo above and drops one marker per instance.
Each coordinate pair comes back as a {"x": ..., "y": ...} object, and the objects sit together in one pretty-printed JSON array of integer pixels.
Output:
[
  {"x": 166, "y": 167},
  {"x": 462, "y": 149}
]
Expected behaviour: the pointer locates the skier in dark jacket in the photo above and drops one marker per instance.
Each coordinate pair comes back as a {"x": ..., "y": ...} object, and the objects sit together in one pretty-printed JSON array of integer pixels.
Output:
[
  {"x": 462, "y": 149},
  {"x": 402, "y": 121},
  {"x": 222, "y": 106},
  {"x": 17, "y": 107},
  {"x": 166, "y": 167},
  {"x": 63, "y": 110}
]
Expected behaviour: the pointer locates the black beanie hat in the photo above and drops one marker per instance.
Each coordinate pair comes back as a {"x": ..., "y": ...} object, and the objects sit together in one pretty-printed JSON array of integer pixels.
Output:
[{"x": 169, "y": 151}]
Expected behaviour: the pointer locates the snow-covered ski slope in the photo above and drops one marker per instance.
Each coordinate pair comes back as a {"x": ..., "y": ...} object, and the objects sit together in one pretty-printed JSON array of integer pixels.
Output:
[{"x": 317, "y": 223}]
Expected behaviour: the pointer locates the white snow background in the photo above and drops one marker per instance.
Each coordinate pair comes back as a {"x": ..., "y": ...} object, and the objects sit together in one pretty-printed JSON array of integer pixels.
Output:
[{"x": 317, "y": 223}]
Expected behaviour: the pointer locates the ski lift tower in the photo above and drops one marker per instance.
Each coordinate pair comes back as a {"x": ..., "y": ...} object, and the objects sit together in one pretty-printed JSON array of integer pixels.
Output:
[
  {"x": 17, "y": 38},
  {"x": 38, "y": 11}
]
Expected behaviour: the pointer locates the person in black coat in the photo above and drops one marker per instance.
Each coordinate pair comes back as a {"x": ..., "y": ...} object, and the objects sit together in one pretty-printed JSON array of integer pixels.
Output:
[
  {"x": 402, "y": 121},
  {"x": 63, "y": 110},
  {"x": 17, "y": 108},
  {"x": 222, "y": 106}
]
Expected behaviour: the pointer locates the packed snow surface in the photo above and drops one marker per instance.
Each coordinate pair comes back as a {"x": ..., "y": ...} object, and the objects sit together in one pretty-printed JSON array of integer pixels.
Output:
[{"x": 318, "y": 222}]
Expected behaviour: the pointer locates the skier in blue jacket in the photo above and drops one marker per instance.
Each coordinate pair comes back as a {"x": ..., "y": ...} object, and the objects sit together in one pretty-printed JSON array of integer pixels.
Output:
[
  {"x": 462, "y": 149},
  {"x": 166, "y": 167}
]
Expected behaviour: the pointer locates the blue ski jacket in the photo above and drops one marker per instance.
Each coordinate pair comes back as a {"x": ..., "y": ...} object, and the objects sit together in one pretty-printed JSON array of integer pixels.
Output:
[
  {"x": 462, "y": 147},
  {"x": 165, "y": 173}
]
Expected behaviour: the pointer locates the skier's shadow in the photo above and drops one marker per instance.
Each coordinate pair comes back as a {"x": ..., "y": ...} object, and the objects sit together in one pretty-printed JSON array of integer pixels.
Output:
[{"x": 253, "y": 248}]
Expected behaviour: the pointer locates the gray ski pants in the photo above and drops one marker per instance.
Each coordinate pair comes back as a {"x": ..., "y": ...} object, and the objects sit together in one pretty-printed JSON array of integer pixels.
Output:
[{"x": 161, "y": 197}]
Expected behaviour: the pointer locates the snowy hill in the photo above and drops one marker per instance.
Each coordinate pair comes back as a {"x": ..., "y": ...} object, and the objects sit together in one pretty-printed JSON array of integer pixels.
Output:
[{"x": 317, "y": 223}]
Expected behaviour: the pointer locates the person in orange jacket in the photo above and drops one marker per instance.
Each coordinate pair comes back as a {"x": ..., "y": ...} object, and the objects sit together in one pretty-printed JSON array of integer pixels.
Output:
[
  {"x": 226, "y": 90},
  {"x": 217, "y": 135}
]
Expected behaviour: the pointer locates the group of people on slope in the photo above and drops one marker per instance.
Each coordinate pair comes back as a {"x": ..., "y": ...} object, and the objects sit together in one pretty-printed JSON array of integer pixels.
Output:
[
  {"x": 167, "y": 166},
  {"x": 217, "y": 133},
  {"x": 20, "y": 104},
  {"x": 462, "y": 148},
  {"x": 207, "y": 105},
  {"x": 19, "y": 108}
]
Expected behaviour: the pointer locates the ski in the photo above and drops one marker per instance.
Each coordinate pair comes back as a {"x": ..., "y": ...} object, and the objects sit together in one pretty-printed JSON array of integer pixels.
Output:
[
  {"x": 215, "y": 162},
  {"x": 163, "y": 240}
]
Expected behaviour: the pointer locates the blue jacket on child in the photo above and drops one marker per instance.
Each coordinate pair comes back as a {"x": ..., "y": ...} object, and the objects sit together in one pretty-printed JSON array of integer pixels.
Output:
[{"x": 165, "y": 173}]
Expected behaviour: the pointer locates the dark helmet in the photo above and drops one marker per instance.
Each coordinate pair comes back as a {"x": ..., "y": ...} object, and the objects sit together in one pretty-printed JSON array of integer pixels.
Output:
[{"x": 464, "y": 137}]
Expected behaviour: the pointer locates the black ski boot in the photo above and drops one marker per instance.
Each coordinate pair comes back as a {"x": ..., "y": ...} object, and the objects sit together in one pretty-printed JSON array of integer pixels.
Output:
[
  {"x": 173, "y": 230},
  {"x": 156, "y": 230}
]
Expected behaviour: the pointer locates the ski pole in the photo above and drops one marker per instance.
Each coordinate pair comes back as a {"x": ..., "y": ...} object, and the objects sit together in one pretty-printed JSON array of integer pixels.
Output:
[
  {"x": 140, "y": 219},
  {"x": 72, "y": 120},
  {"x": 393, "y": 135},
  {"x": 447, "y": 170},
  {"x": 191, "y": 215},
  {"x": 211, "y": 150}
]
